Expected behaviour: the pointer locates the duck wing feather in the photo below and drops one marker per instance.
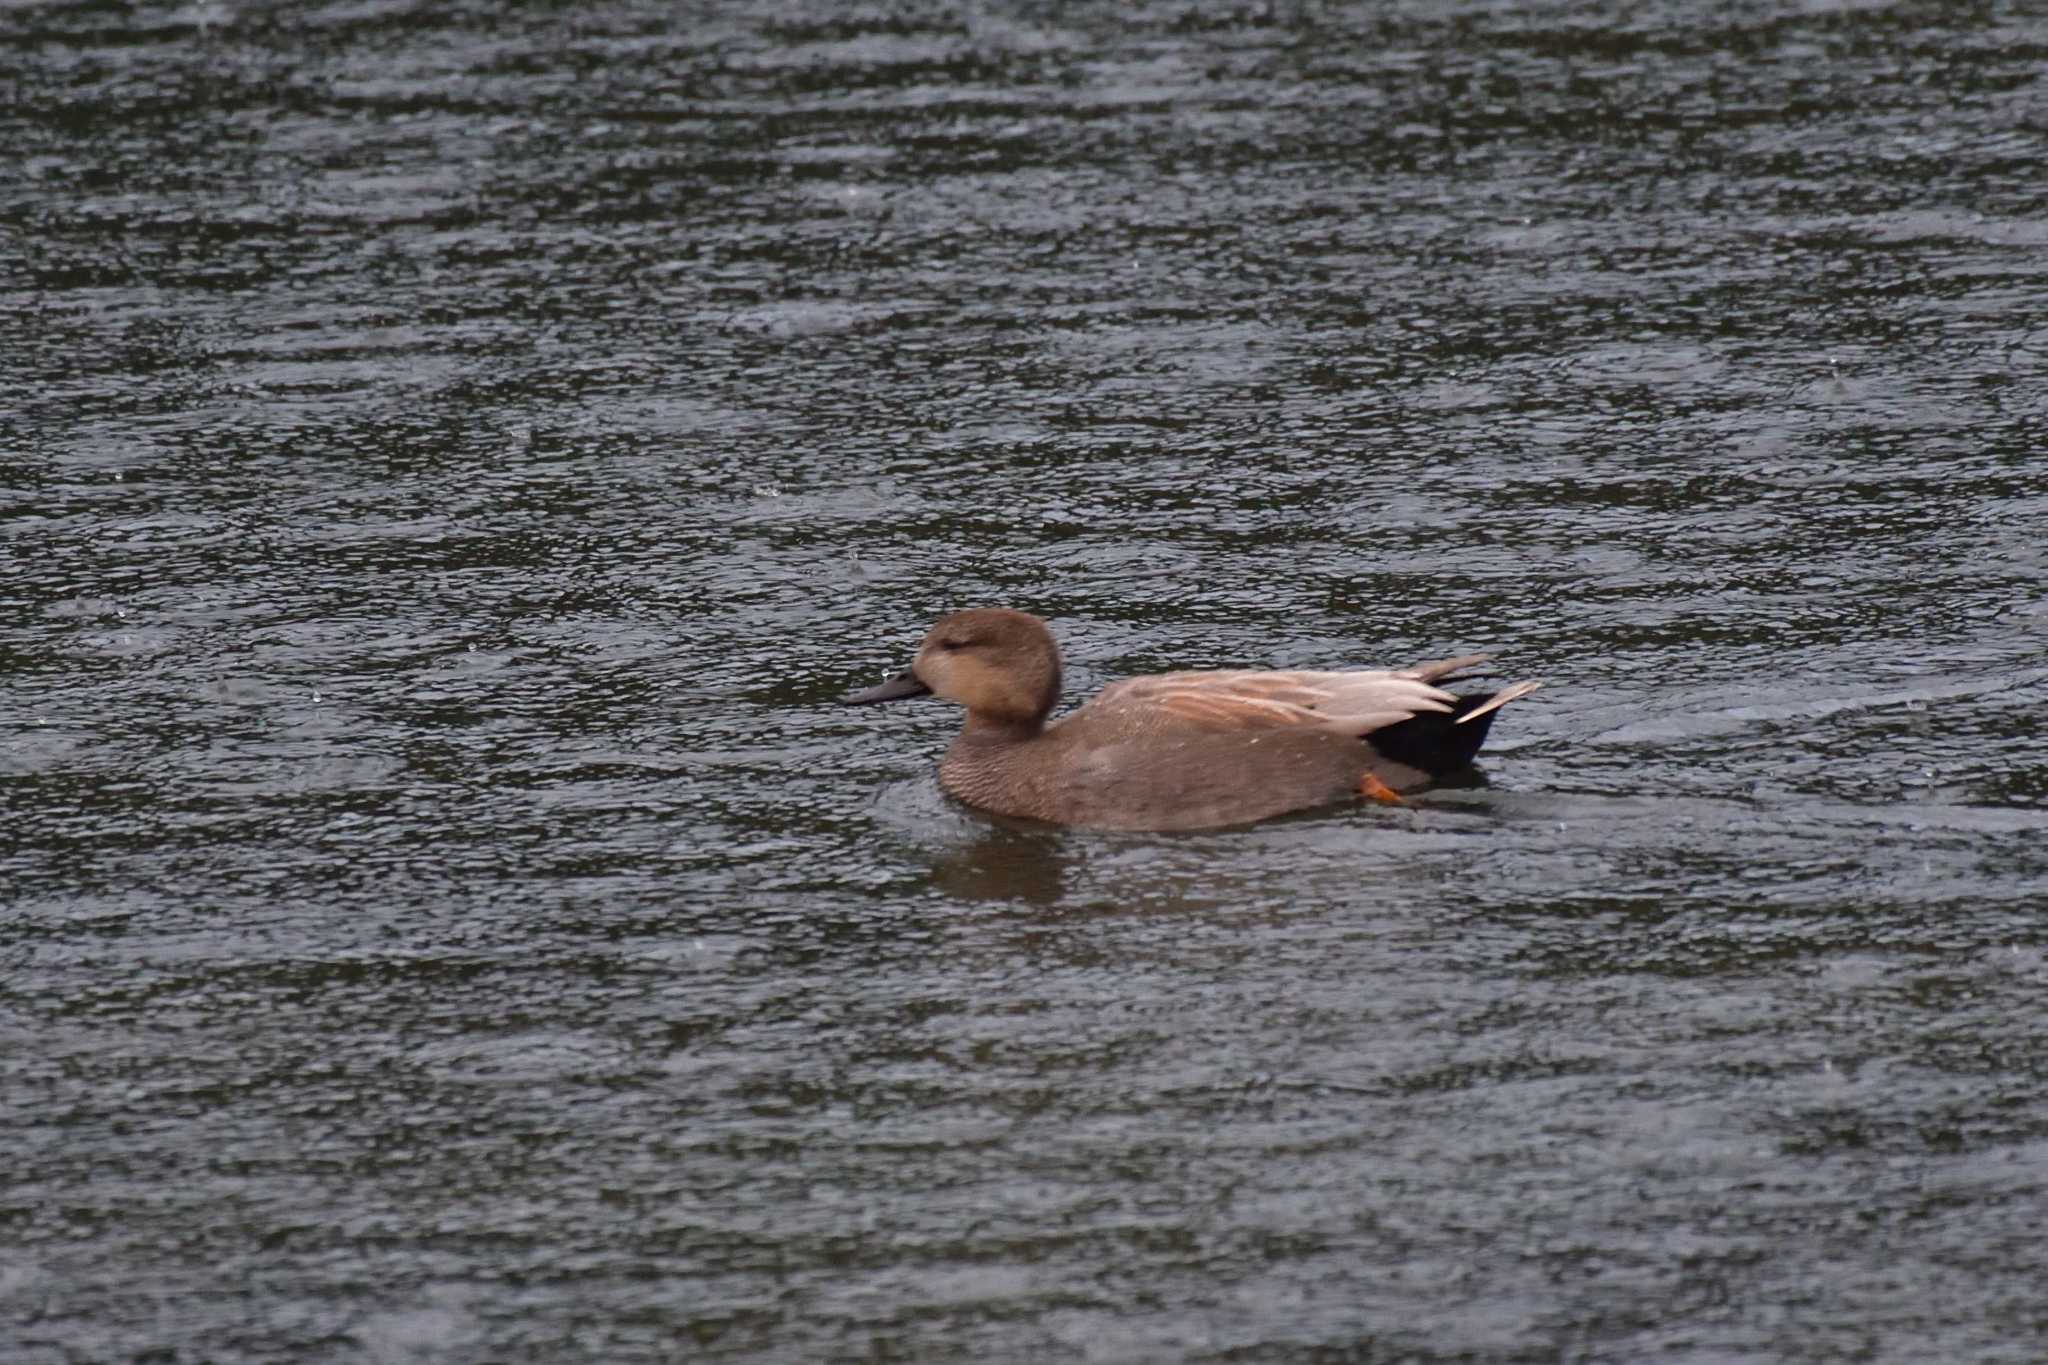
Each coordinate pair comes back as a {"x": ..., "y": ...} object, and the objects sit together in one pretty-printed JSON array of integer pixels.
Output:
[{"x": 1351, "y": 703}]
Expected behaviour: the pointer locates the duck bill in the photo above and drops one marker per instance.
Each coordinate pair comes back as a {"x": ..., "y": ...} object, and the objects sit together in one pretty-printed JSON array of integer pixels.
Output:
[{"x": 896, "y": 689}]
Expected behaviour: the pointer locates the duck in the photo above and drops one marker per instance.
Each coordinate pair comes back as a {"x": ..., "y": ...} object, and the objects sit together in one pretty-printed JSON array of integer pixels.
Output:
[{"x": 1188, "y": 750}]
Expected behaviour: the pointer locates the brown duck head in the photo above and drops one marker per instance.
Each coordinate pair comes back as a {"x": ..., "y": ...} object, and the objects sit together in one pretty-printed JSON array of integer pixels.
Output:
[{"x": 1001, "y": 665}]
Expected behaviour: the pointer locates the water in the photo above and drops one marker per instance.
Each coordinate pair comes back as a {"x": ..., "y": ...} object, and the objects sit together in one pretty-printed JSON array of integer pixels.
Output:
[{"x": 453, "y": 458}]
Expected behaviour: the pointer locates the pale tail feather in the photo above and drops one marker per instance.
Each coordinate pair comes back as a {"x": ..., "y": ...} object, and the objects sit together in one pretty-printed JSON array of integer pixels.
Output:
[{"x": 1512, "y": 692}]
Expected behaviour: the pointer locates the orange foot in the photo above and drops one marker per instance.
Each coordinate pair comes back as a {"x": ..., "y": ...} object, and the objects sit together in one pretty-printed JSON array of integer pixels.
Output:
[{"x": 1371, "y": 786}]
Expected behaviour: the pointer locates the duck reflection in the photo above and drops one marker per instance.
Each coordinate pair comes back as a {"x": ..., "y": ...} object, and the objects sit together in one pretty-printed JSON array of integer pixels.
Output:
[{"x": 1006, "y": 861}]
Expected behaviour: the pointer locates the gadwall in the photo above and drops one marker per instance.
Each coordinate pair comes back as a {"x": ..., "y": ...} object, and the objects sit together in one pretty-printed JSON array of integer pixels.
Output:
[{"x": 1182, "y": 750}]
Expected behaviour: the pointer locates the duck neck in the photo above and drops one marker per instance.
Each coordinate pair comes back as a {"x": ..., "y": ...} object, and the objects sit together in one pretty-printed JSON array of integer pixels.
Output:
[{"x": 983, "y": 728}]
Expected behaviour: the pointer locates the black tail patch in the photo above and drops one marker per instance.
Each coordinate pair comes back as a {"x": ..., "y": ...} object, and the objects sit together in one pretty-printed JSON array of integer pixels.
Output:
[{"x": 1434, "y": 741}]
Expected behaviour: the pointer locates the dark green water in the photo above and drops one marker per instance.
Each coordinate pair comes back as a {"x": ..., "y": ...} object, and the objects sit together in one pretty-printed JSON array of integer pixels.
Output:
[{"x": 451, "y": 457}]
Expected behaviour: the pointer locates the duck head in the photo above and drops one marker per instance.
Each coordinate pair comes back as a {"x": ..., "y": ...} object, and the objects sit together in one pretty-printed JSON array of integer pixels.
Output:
[{"x": 1001, "y": 665}]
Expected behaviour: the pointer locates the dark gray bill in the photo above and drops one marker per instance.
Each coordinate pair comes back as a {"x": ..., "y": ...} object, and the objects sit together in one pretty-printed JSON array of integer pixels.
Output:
[{"x": 901, "y": 686}]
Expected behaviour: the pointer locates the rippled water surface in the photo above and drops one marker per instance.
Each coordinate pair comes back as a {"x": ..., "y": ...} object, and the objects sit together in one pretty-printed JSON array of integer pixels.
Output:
[{"x": 454, "y": 455}]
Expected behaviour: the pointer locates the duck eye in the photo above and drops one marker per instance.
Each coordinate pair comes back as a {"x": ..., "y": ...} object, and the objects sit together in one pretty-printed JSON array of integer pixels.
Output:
[{"x": 952, "y": 644}]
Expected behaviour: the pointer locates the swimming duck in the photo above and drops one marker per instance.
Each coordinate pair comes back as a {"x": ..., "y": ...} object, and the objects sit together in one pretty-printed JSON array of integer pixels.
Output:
[{"x": 1178, "y": 751}]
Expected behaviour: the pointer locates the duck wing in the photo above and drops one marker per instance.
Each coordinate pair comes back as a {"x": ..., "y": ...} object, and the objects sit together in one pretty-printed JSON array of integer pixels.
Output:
[{"x": 1354, "y": 702}]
